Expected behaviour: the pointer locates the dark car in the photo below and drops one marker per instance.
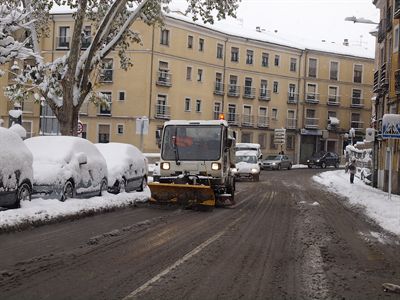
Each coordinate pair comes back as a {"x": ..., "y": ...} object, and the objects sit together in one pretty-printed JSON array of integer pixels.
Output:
[
  {"x": 323, "y": 160},
  {"x": 276, "y": 162}
]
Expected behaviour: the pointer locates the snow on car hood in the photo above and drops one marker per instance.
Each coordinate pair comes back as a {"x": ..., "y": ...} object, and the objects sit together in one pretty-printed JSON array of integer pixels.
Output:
[
  {"x": 246, "y": 167},
  {"x": 14, "y": 156},
  {"x": 51, "y": 173}
]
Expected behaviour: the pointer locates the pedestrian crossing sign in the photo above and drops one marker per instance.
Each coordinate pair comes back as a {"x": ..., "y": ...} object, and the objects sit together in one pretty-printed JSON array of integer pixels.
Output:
[{"x": 391, "y": 126}]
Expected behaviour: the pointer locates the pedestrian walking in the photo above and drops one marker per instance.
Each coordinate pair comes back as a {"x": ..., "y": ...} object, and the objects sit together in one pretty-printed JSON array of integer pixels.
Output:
[{"x": 352, "y": 169}]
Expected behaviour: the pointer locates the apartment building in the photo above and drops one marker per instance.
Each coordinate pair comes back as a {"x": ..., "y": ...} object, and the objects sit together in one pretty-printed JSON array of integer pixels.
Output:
[
  {"x": 256, "y": 79},
  {"x": 386, "y": 89}
]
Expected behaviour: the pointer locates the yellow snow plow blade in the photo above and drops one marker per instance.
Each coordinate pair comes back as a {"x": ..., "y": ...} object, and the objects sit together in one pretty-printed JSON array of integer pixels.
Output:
[{"x": 181, "y": 194}]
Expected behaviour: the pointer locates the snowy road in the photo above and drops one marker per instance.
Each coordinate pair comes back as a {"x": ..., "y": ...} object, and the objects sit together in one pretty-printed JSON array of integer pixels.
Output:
[{"x": 287, "y": 239}]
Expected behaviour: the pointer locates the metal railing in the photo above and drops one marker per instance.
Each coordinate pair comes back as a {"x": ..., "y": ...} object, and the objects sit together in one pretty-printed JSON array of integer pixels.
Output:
[
  {"x": 396, "y": 14},
  {"x": 249, "y": 92},
  {"x": 233, "y": 119},
  {"x": 357, "y": 125},
  {"x": 264, "y": 95},
  {"x": 293, "y": 98},
  {"x": 63, "y": 42},
  {"x": 162, "y": 111},
  {"x": 219, "y": 88},
  {"x": 312, "y": 98},
  {"x": 311, "y": 122},
  {"x": 357, "y": 102},
  {"x": 247, "y": 120},
  {"x": 233, "y": 90},
  {"x": 164, "y": 78},
  {"x": 291, "y": 123},
  {"x": 263, "y": 121},
  {"x": 333, "y": 100}
]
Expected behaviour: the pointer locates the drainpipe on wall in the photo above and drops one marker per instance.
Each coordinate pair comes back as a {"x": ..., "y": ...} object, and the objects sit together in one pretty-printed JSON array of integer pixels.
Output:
[
  {"x": 224, "y": 77},
  {"x": 297, "y": 111},
  {"x": 151, "y": 72}
]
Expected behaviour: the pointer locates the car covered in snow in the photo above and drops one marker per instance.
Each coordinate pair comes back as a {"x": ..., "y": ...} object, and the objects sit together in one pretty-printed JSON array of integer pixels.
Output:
[
  {"x": 16, "y": 173},
  {"x": 276, "y": 162},
  {"x": 247, "y": 165},
  {"x": 67, "y": 167},
  {"x": 127, "y": 167}
]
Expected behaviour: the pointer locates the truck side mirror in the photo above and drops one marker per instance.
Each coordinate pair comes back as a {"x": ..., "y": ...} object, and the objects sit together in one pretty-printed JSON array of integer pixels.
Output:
[{"x": 229, "y": 143}]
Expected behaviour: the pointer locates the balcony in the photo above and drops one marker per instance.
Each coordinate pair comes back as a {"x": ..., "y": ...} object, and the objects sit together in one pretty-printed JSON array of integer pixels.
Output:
[
  {"x": 376, "y": 87},
  {"x": 357, "y": 102},
  {"x": 249, "y": 92},
  {"x": 397, "y": 82},
  {"x": 311, "y": 123},
  {"x": 333, "y": 100},
  {"x": 105, "y": 109},
  {"x": 291, "y": 123},
  {"x": 312, "y": 98},
  {"x": 396, "y": 14},
  {"x": 162, "y": 111},
  {"x": 63, "y": 42},
  {"x": 383, "y": 80},
  {"x": 233, "y": 90},
  {"x": 382, "y": 30},
  {"x": 164, "y": 78},
  {"x": 106, "y": 75},
  {"x": 265, "y": 95},
  {"x": 263, "y": 121},
  {"x": 247, "y": 120},
  {"x": 293, "y": 98},
  {"x": 233, "y": 119},
  {"x": 357, "y": 125},
  {"x": 219, "y": 88}
]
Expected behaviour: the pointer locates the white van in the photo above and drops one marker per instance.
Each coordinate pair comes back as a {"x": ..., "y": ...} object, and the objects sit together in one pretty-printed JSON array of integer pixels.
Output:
[{"x": 250, "y": 147}]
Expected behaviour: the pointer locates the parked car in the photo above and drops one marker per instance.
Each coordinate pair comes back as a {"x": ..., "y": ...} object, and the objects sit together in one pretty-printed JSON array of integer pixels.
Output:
[
  {"x": 249, "y": 146},
  {"x": 67, "y": 167},
  {"x": 16, "y": 170},
  {"x": 247, "y": 165},
  {"x": 323, "y": 160},
  {"x": 127, "y": 167},
  {"x": 276, "y": 162},
  {"x": 153, "y": 160}
]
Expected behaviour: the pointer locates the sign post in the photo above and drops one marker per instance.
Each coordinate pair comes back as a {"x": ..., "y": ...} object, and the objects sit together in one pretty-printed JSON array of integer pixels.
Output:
[
  {"x": 390, "y": 130},
  {"x": 280, "y": 137}
]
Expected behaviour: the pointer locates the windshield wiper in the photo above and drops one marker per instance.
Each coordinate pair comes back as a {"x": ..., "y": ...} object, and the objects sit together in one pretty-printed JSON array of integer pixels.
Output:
[{"x": 177, "y": 160}]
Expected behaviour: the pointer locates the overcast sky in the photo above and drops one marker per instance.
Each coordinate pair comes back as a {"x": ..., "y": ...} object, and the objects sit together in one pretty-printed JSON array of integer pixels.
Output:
[{"x": 311, "y": 19}]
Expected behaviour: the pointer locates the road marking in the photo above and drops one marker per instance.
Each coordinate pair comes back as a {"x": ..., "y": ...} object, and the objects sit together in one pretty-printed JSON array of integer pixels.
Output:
[{"x": 180, "y": 261}]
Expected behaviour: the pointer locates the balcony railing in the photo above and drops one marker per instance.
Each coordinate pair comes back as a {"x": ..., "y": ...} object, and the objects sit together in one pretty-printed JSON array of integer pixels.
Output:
[
  {"x": 383, "y": 80},
  {"x": 233, "y": 90},
  {"x": 357, "y": 102},
  {"x": 376, "y": 86},
  {"x": 249, "y": 92},
  {"x": 312, "y": 98},
  {"x": 291, "y": 123},
  {"x": 396, "y": 14},
  {"x": 263, "y": 121},
  {"x": 333, "y": 100},
  {"x": 265, "y": 95},
  {"x": 293, "y": 98},
  {"x": 381, "y": 30},
  {"x": 164, "y": 78},
  {"x": 397, "y": 82},
  {"x": 311, "y": 123},
  {"x": 357, "y": 125},
  {"x": 162, "y": 112},
  {"x": 247, "y": 120},
  {"x": 219, "y": 88},
  {"x": 63, "y": 42},
  {"x": 233, "y": 119},
  {"x": 106, "y": 75}
]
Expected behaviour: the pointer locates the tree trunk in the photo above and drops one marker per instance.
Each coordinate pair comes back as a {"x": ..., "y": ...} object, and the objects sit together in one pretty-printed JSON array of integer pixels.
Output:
[{"x": 68, "y": 114}]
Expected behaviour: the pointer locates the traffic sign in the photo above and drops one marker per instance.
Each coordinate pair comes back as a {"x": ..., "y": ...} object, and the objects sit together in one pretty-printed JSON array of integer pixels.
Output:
[
  {"x": 391, "y": 126},
  {"x": 79, "y": 129},
  {"x": 280, "y": 136}
]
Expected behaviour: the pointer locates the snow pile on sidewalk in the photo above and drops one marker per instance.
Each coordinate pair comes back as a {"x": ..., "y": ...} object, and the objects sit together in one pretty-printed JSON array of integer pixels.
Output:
[
  {"x": 41, "y": 211},
  {"x": 377, "y": 205}
]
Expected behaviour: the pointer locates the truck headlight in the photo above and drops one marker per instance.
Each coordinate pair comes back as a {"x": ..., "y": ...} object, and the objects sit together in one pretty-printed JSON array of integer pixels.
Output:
[
  {"x": 215, "y": 166},
  {"x": 165, "y": 166},
  {"x": 254, "y": 171}
]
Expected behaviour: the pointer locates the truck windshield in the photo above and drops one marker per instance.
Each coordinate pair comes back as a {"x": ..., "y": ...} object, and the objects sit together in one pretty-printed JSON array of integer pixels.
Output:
[{"x": 191, "y": 142}]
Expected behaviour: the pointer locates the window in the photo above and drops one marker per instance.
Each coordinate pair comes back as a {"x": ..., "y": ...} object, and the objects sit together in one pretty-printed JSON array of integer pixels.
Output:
[
  {"x": 247, "y": 86},
  {"x": 120, "y": 129},
  {"x": 274, "y": 114},
  {"x": 292, "y": 92},
  {"x": 293, "y": 64},
  {"x": 262, "y": 140},
  {"x": 249, "y": 57},
  {"x": 234, "y": 54},
  {"x": 63, "y": 37},
  {"x": 334, "y": 70},
  {"x": 106, "y": 72},
  {"x": 311, "y": 92},
  {"x": 263, "y": 117},
  {"x": 28, "y": 128},
  {"x": 356, "y": 98},
  {"x": 84, "y": 131},
  {"x": 187, "y": 104},
  {"x": 312, "y": 67},
  {"x": 104, "y": 133},
  {"x": 358, "y": 69},
  {"x": 86, "y": 36},
  {"x": 276, "y": 61},
  {"x": 263, "y": 88},
  {"x": 290, "y": 141},
  {"x": 121, "y": 96},
  {"x": 190, "y": 42},
  {"x": 272, "y": 144},
  {"x": 246, "y": 137},
  {"x": 276, "y": 87},
  {"x": 198, "y": 105},
  {"x": 220, "y": 51},
  {"x": 232, "y": 113},
  {"x": 48, "y": 122},
  {"x": 163, "y": 73},
  {"x": 333, "y": 93},
  {"x": 217, "y": 110},
  {"x": 105, "y": 109},
  {"x": 162, "y": 109},
  {"x": 164, "y": 37},
  {"x": 201, "y": 44},
  {"x": 200, "y": 75},
  {"x": 332, "y": 114},
  {"x": 264, "y": 60},
  {"x": 247, "y": 118},
  {"x": 188, "y": 73},
  {"x": 218, "y": 82}
]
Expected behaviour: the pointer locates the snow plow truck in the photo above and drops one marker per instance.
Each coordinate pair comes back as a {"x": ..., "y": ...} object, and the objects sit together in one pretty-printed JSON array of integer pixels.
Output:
[{"x": 197, "y": 162}]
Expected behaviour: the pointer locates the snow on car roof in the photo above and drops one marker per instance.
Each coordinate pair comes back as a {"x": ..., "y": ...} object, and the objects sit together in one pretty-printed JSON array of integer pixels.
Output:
[
  {"x": 51, "y": 148},
  {"x": 197, "y": 122},
  {"x": 14, "y": 155},
  {"x": 246, "y": 153}
]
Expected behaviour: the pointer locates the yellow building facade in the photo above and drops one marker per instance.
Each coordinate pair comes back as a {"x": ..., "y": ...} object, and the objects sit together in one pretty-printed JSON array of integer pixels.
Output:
[{"x": 190, "y": 71}]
